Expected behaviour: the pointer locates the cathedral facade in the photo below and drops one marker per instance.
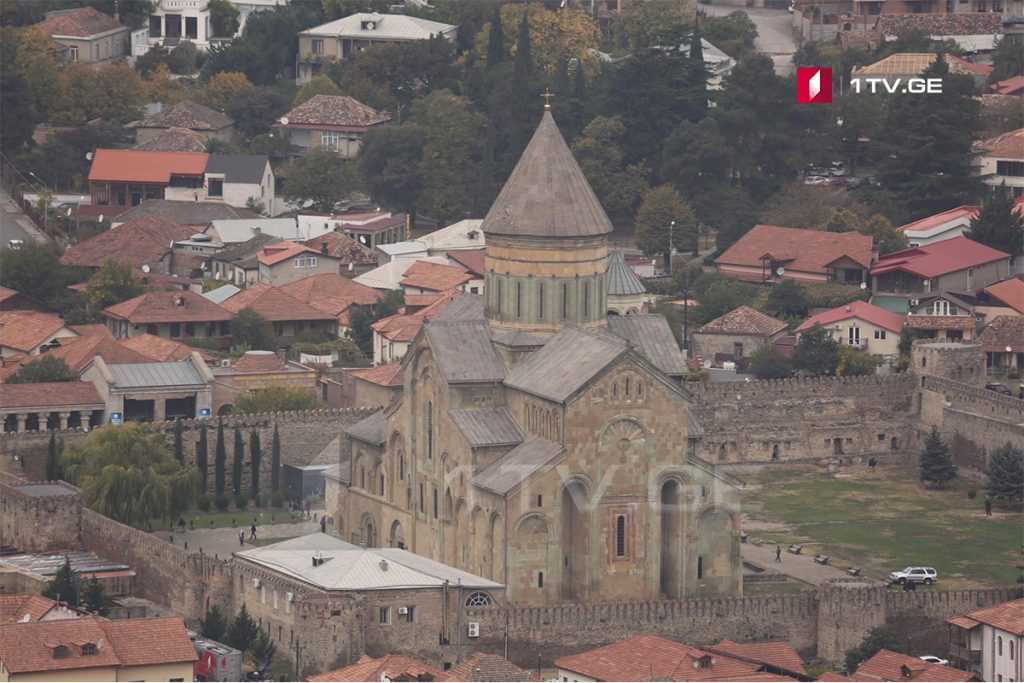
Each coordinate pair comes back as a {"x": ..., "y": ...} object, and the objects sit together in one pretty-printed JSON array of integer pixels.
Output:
[{"x": 534, "y": 443}]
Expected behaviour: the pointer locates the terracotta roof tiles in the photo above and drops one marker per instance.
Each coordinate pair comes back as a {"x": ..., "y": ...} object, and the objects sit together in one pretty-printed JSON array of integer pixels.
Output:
[
  {"x": 341, "y": 246},
  {"x": 79, "y": 23},
  {"x": 1009, "y": 86},
  {"x": 145, "y": 167},
  {"x": 470, "y": 259},
  {"x": 154, "y": 348},
  {"x": 138, "y": 642},
  {"x": 174, "y": 140},
  {"x": 778, "y": 654},
  {"x": 807, "y": 251},
  {"x": 434, "y": 276},
  {"x": 168, "y": 307},
  {"x": 1006, "y": 146},
  {"x": 892, "y": 666},
  {"x": 394, "y": 667},
  {"x": 488, "y": 667},
  {"x": 28, "y": 648},
  {"x": 259, "y": 361},
  {"x": 909, "y": 63},
  {"x": 1009, "y": 292},
  {"x": 144, "y": 241},
  {"x": 744, "y": 320},
  {"x": 1005, "y": 331},
  {"x": 389, "y": 375},
  {"x": 282, "y": 251},
  {"x": 78, "y": 352},
  {"x": 187, "y": 114},
  {"x": 25, "y": 330},
  {"x": 274, "y": 304},
  {"x": 335, "y": 110},
  {"x": 16, "y": 606},
  {"x": 49, "y": 394}
]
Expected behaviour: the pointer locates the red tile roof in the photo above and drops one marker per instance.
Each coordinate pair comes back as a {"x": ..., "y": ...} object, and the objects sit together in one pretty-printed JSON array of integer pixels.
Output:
[
  {"x": 859, "y": 310},
  {"x": 1005, "y": 331},
  {"x": 77, "y": 352},
  {"x": 647, "y": 657},
  {"x": 145, "y": 167},
  {"x": 139, "y": 642},
  {"x": 259, "y": 361},
  {"x": 399, "y": 327},
  {"x": 92, "y": 330},
  {"x": 331, "y": 292},
  {"x": 15, "y": 606},
  {"x": 487, "y": 667},
  {"x": 1009, "y": 86},
  {"x": 29, "y": 647},
  {"x": 281, "y": 251},
  {"x": 779, "y": 654},
  {"x": 274, "y": 304},
  {"x": 25, "y": 330},
  {"x": 334, "y": 110},
  {"x": 1006, "y": 146},
  {"x": 394, "y": 667},
  {"x": 471, "y": 259},
  {"x": 79, "y": 23},
  {"x": 49, "y": 394},
  {"x": 940, "y": 258},
  {"x": 744, "y": 320},
  {"x": 833, "y": 677},
  {"x": 164, "y": 307},
  {"x": 156, "y": 348},
  {"x": 145, "y": 241},
  {"x": 389, "y": 375},
  {"x": 418, "y": 301},
  {"x": 963, "y": 622},
  {"x": 1009, "y": 292},
  {"x": 807, "y": 251},
  {"x": 967, "y": 212},
  {"x": 434, "y": 276},
  {"x": 13, "y": 300},
  {"x": 343, "y": 247},
  {"x": 892, "y": 666}
]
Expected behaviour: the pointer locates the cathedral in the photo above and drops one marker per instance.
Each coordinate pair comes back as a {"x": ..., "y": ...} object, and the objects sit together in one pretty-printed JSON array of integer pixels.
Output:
[{"x": 539, "y": 441}]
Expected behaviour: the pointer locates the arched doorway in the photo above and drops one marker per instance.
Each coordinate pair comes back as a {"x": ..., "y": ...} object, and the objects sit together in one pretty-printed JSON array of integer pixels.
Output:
[
  {"x": 574, "y": 540},
  {"x": 397, "y": 537},
  {"x": 671, "y": 539},
  {"x": 369, "y": 532}
]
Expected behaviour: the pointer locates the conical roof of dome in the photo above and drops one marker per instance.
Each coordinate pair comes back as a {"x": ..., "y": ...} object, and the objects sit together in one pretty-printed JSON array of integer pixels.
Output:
[
  {"x": 622, "y": 280},
  {"x": 547, "y": 194}
]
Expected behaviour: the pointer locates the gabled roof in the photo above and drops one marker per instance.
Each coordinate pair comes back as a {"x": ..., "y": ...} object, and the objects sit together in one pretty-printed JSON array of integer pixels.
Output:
[
  {"x": 743, "y": 320},
  {"x": 1009, "y": 86},
  {"x": 145, "y": 167},
  {"x": 912, "y": 63},
  {"x": 239, "y": 230},
  {"x": 243, "y": 250},
  {"x": 622, "y": 280},
  {"x": 482, "y": 666},
  {"x": 25, "y": 330},
  {"x": 858, "y": 310},
  {"x": 282, "y": 251},
  {"x": 79, "y": 23},
  {"x": 239, "y": 168},
  {"x": 174, "y": 140},
  {"x": 372, "y": 429},
  {"x": 23, "y": 607},
  {"x": 565, "y": 363},
  {"x": 335, "y": 110},
  {"x": 164, "y": 307},
  {"x": 1006, "y": 146},
  {"x": 1004, "y": 331},
  {"x": 399, "y": 327},
  {"x": 332, "y": 293},
  {"x": 154, "y": 348},
  {"x": 464, "y": 235},
  {"x": 49, "y": 394},
  {"x": 186, "y": 213},
  {"x": 390, "y": 274},
  {"x": 892, "y": 666},
  {"x": 434, "y": 276},
  {"x": 274, "y": 304},
  {"x": 486, "y": 426},
  {"x": 939, "y": 258},
  {"x": 800, "y": 250},
  {"x": 389, "y": 375},
  {"x": 1006, "y": 616},
  {"x": 547, "y": 194},
  {"x": 962, "y": 214},
  {"x": 1009, "y": 292},
  {"x": 180, "y": 373},
  {"x": 139, "y": 242},
  {"x": 386, "y": 27},
  {"x": 187, "y": 114},
  {"x": 460, "y": 308},
  {"x": 781, "y": 655},
  {"x": 464, "y": 352},
  {"x": 76, "y": 352},
  {"x": 388, "y": 667},
  {"x": 650, "y": 334},
  {"x": 518, "y": 465},
  {"x": 9, "y": 296},
  {"x": 470, "y": 259},
  {"x": 341, "y": 246}
]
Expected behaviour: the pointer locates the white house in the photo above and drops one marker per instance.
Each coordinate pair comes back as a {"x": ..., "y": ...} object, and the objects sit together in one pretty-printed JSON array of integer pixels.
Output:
[
  {"x": 176, "y": 20},
  {"x": 236, "y": 178},
  {"x": 861, "y": 325},
  {"x": 1000, "y": 160},
  {"x": 941, "y": 226},
  {"x": 988, "y": 641}
]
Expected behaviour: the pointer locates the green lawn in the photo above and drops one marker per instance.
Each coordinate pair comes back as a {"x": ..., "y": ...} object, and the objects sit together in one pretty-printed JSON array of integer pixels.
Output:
[
  {"x": 887, "y": 520},
  {"x": 243, "y": 518}
]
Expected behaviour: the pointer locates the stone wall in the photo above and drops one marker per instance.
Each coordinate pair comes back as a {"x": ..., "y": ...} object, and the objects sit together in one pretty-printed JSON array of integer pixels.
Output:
[{"x": 37, "y": 523}]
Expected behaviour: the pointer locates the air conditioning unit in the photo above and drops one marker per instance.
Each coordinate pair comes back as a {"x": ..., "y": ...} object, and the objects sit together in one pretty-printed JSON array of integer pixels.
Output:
[
  {"x": 289, "y": 597},
  {"x": 473, "y": 629},
  {"x": 914, "y": 303},
  {"x": 256, "y": 583},
  {"x": 225, "y": 363},
  {"x": 403, "y": 610}
]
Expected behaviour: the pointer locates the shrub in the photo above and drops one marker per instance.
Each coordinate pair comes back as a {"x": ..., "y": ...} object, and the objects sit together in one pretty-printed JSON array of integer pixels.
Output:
[
  {"x": 972, "y": 494},
  {"x": 222, "y": 501},
  {"x": 203, "y": 503},
  {"x": 277, "y": 500},
  {"x": 241, "y": 501}
]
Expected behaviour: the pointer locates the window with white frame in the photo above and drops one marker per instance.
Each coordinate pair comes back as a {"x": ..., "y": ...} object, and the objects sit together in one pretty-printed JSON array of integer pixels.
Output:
[
  {"x": 330, "y": 139},
  {"x": 318, "y": 46},
  {"x": 879, "y": 334},
  {"x": 305, "y": 262},
  {"x": 73, "y": 53}
]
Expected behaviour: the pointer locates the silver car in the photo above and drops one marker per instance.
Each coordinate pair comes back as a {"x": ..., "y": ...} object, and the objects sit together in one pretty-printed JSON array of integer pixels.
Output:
[{"x": 925, "y": 575}]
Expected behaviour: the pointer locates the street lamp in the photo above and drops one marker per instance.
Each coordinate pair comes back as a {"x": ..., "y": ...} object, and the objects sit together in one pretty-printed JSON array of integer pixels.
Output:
[
  {"x": 671, "y": 230},
  {"x": 686, "y": 312}
]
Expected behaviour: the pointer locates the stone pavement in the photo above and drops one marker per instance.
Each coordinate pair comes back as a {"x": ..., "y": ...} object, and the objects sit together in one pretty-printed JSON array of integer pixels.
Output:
[
  {"x": 802, "y": 567},
  {"x": 224, "y": 541}
]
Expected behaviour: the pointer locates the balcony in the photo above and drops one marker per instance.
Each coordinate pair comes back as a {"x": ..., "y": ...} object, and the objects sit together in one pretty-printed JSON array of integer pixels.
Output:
[{"x": 963, "y": 653}]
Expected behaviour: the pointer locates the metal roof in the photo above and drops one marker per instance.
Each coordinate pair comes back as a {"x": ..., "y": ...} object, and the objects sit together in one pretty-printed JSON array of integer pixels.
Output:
[
  {"x": 156, "y": 375},
  {"x": 236, "y": 231},
  {"x": 565, "y": 363},
  {"x": 221, "y": 294},
  {"x": 622, "y": 280},
  {"x": 650, "y": 334},
  {"x": 487, "y": 426},
  {"x": 47, "y": 564},
  {"x": 238, "y": 168},
  {"x": 464, "y": 351},
  {"x": 517, "y": 465},
  {"x": 386, "y": 27},
  {"x": 372, "y": 429},
  {"x": 348, "y": 567},
  {"x": 462, "y": 308}
]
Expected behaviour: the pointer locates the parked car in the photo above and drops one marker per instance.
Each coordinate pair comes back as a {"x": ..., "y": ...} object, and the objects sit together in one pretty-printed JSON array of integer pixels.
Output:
[
  {"x": 817, "y": 180},
  {"x": 855, "y": 182},
  {"x": 15, "y": 244},
  {"x": 837, "y": 168},
  {"x": 998, "y": 388},
  {"x": 932, "y": 659},
  {"x": 914, "y": 575}
]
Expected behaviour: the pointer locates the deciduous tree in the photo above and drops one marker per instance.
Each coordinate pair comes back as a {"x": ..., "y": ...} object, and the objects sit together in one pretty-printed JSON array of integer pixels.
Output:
[
  {"x": 276, "y": 398},
  {"x": 817, "y": 352},
  {"x": 599, "y": 153},
  {"x": 36, "y": 61},
  {"x": 179, "y": 442},
  {"x": 113, "y": 282},
  {"x": 1000, "y": 223},
  {"x": 390, "y": 164},
  {"x": 788, "y": 298},
  {"x": 318, "y": 181},
  {"x": 650, "y": 23},
  {"x": 223, "y": 18},
  {"x": 767, "y": 363},
  {"x": 223, "y": 88},
  {"x": 321, "y": 84},
  {"x": 661, "y": 207},
  {"x": 249, "y": 328},
  {"x": 45, "y": 369}
]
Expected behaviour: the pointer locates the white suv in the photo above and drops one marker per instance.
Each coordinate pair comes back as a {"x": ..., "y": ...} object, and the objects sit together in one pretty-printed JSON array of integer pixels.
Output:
[{"x": 925, "y": 575}]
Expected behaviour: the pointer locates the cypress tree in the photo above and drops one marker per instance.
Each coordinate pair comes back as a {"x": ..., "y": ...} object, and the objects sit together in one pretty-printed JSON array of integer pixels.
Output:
[
  {"x": 255, "y": 456},
  {"x": 239, "y": 462},
  {"x": 179, "y": 446},
  {"x": 275, "y": 461},
  {"x": 700, "y": 71},
  {"x": 937, "y": 466},
  {"x": 53, "y": 472},
  {"x": 63, "y": 585},
  {"x": 496, "y": 41},
  {"x": 220, "y": 460},
  {"x": 202, "y": 456},
  {"x": 524, "y": 52}
]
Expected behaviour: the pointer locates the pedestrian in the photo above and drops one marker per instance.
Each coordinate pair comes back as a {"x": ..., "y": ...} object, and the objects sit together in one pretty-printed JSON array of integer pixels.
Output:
[
  {"x": 252, "y": 532},
  {"x": 1020, "y": 394},
  {"x": 192, "y": 524},
  {"x": 778, "y": 553},
  {"x": 323, "y": 525},
  {"x": 181, "y": 523},
  {"x": 172, "y": 539},
  {"x": 988, "y": 507},
  {"x": 233, "y": 524},
  {"x": 872, "y": 463},
  {"x": 241, "y": 538}
]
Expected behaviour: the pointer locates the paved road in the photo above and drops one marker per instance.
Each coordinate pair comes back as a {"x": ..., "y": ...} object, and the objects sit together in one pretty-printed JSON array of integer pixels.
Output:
[
  {"x": 15, "y": 225},
  {"x": 801, "y": 567},
  {"x": 774, "y": 32}
]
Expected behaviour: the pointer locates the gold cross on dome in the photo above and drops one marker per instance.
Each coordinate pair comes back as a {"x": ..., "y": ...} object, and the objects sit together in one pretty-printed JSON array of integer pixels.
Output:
[{"x": 547, "y": 95}]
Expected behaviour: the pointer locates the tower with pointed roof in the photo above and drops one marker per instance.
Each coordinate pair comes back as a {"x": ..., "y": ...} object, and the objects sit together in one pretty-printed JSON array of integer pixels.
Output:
[{"x": 547, "y": 243}]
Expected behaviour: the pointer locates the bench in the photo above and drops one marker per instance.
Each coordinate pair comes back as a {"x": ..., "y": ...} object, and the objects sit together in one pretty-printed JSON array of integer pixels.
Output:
[
  {"x": 795, "y": 549},
  {"x": 853, "y": 571},
  {"x": 821, "y": 559}
]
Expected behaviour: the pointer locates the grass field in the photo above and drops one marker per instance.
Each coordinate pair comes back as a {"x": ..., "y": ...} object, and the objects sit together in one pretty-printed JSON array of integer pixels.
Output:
[
  {"x": 243, "y": 518},
  {"x": 887, "y": 520}
]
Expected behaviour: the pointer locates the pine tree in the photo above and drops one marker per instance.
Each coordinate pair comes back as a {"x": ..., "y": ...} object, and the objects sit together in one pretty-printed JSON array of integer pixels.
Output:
[
  {"x": 525, "y": 104},
  {"x": 53, "y": 472},
  {"x": 998, "y": 225},
  {"x": 275, "y": 462},
  {"x": 255, "y": 456},
  {"x": 220, "y": 460},
  {"x": 700, "y": 71},
  {"x": 263, "y": 650},
  {"x": 202, "y": 456},
  {"x": 213, "y": 625},
  {"x": 93, "y": 598},
  {"x": 937, "y": 466},
  {"x": 243, "y": 630},
  {"x": 1006, "y": 473},
  {"x": 63, "y": 586},
  {"x": 179, "y": 446},
  {"x": 496, "y": 41},
  {"x": 238, "y": 463}
]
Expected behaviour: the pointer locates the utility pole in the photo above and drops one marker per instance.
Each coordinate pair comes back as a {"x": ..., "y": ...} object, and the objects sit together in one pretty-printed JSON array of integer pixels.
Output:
[
  {"x": 671, "y": 248},
  {"x": 297, "y": 649}
]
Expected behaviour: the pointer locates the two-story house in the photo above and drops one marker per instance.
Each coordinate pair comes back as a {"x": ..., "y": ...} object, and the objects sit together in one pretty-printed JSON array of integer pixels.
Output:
[
  {"x": 211, "y": 124},
  {"x": 1000, "y": 161},
  {"x": 946, "y": 316},
  {"x": 339, "y": 39},
  {"x": 176, "y": 20},
  {"x": 332, "y": 122},
  {"x": 285, "y": 262},
  {"x": 861, "y": 325},
  {"x": 89, "y": 35},
  {"x": 172, "y": 315},
  {"x": 988, "y": 641}
]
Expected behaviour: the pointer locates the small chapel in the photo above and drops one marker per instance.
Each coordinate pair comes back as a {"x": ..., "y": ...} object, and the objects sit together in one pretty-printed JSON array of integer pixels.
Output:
[{"x": 539, "y": 441}]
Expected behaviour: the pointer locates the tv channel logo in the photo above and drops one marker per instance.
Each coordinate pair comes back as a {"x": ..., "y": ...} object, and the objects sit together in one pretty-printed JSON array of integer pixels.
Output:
[{"x": 813, "y": 85}]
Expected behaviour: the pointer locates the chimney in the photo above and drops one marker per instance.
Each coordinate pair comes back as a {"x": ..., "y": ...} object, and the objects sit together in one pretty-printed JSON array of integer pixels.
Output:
[{"x": 323, "y": 248}]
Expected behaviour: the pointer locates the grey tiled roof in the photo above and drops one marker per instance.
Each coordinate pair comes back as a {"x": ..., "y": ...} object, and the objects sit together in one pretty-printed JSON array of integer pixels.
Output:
[
  {"x": 486, "y": 426},
  {"x": 464, "y": 352},
  {"x": 547, "y": 194},
  {"x": 174, "y": 140},
  {"x": 334, "y": 110},
  {"x": 650, "y": 334},
  {"x": 187, "y": 114},
  {"x": 372, "y": 430},
  {"x": 519, "y": 339},
  {"x": 462, "y": 308},
  {"x": 186, "y": 213},
  {"x": 238, "y": 168},
  {"x": 744, "y": 320},
  {"x": 517, "y": 465},
  {"x": 567, "y": 362},
  {"x": 154, "y": 375},
  {"x": 622, "y": 280}
]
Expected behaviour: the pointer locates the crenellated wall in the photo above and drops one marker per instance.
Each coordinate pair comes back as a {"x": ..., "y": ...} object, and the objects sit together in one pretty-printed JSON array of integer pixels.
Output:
[{"x": 34, "y": 523}]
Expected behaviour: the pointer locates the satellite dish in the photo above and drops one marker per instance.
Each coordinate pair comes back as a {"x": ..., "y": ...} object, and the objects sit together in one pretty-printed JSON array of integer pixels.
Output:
[
  {"x": 88, "y": 156},
  {"x": 145, "y": 268},
  {"x": 1009, "y": 349},
  {"x": 780, "y": 271},
  {"x": 351, "y": 266},
  {"x": 863, "y": 285},
  {"x": 101, "y": 218},
  {"x": 284, "y": 120}
]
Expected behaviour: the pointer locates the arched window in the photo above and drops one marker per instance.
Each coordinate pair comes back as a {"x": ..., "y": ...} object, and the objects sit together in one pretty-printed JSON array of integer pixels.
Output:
[
  {"x": 519, "y": 300},
  {"x": 1011, "y": 649},
  {"x": 362, "y": 478},
  {"x": 479, "y": 599},
  {"x": 999, "y": 645},
  {"x": 540, "y": 579},
  {"x": 435, "y": 503},
  {"x": 430, "y": 429},
  {"x": 401, "y": 466},
  {"x": 586, "y": 301},
  {"x": 382, "y": 484},
  {"x": 620, "y": 536},
  {"x": 565, "y": 301},
  {"x": 499, "y": 297},
  {"x": 639, "y": 388},
  {"x": 540, "y": 301},
  {"x": 627, "y": 386},
  {"x": 700, "y": 567},
  {"x": 615, "y": 390}
]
